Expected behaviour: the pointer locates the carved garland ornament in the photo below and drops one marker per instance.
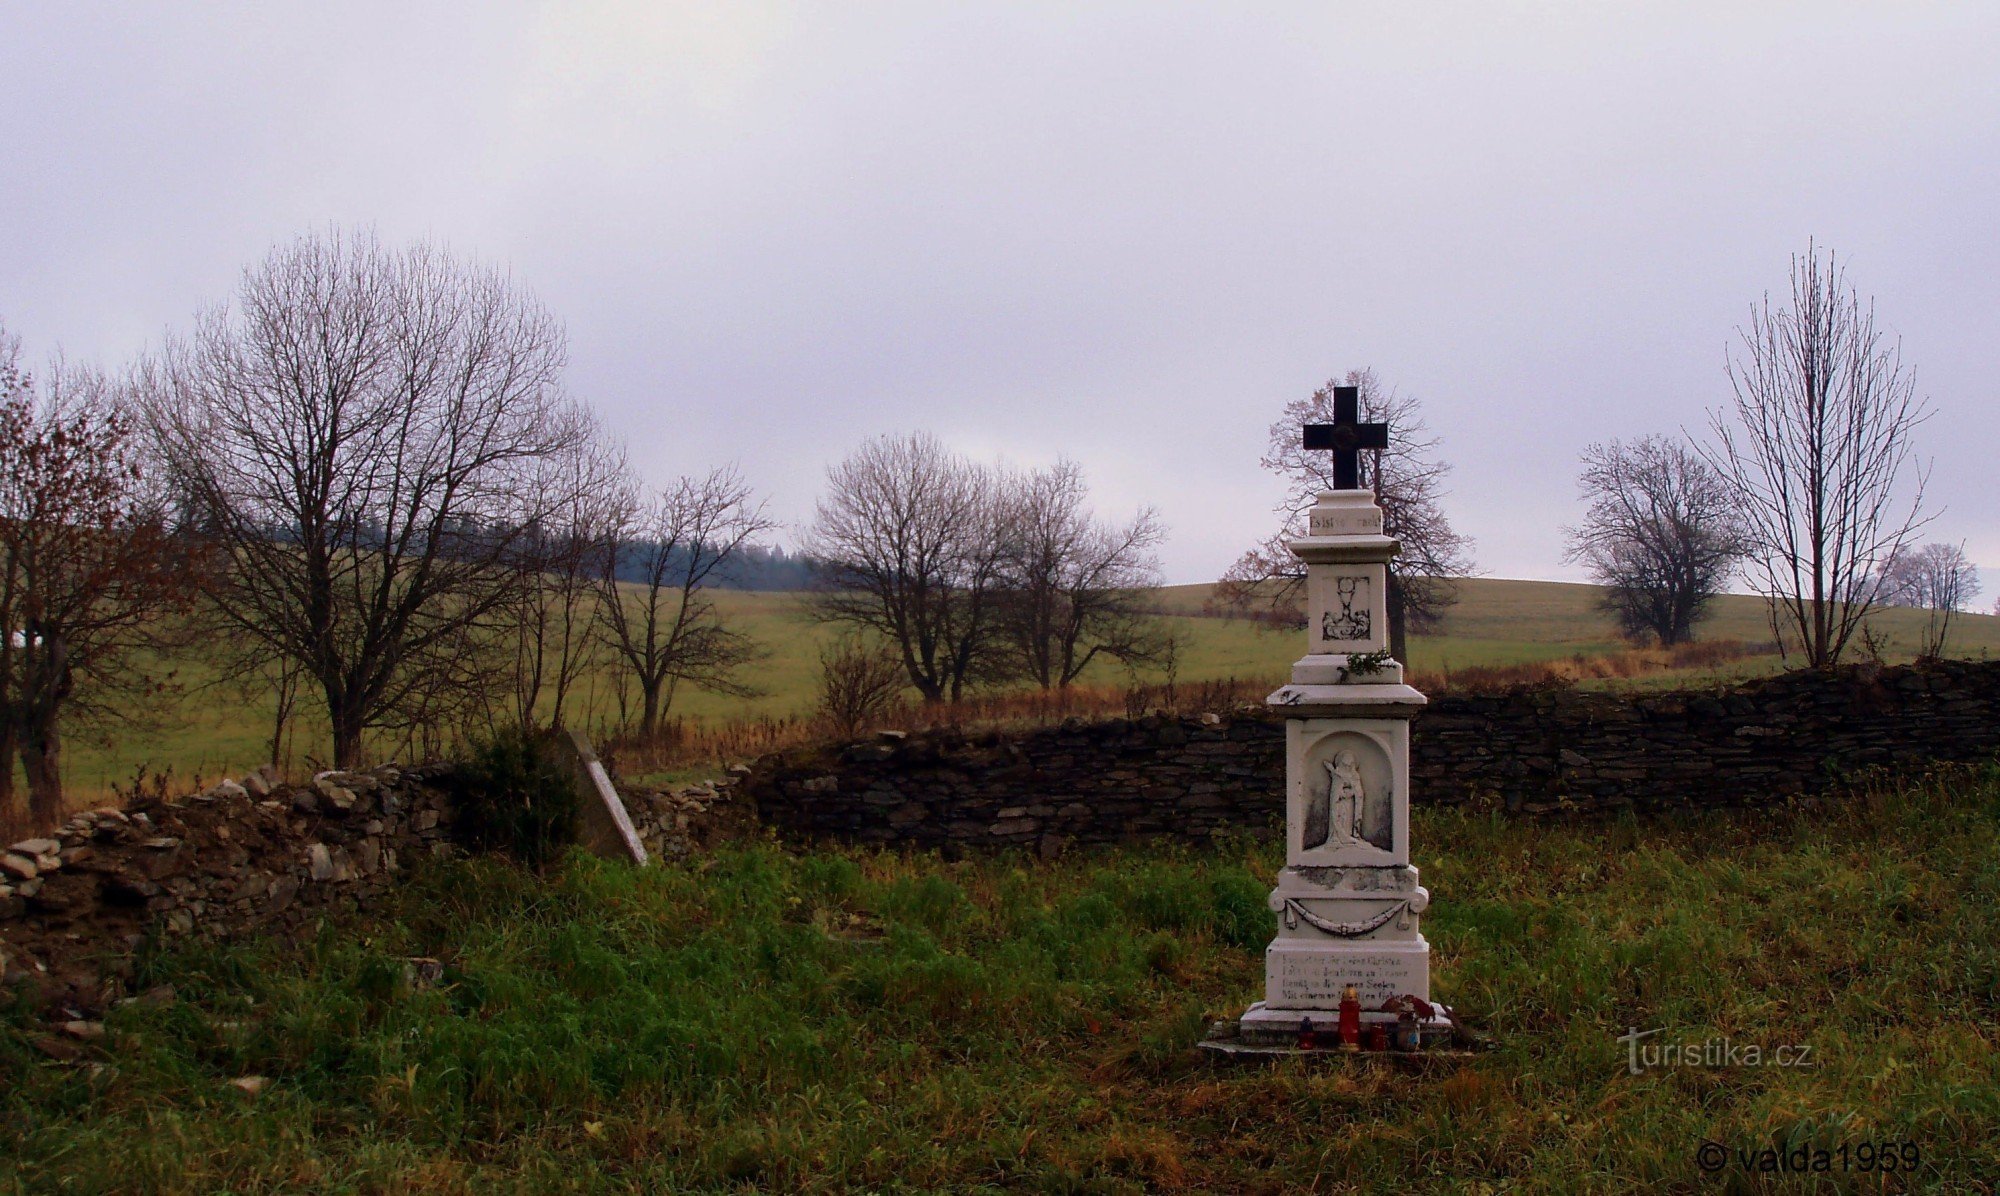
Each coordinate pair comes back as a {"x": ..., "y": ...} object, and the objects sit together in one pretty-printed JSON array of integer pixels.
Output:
[{"x": 1401, "y": 911}]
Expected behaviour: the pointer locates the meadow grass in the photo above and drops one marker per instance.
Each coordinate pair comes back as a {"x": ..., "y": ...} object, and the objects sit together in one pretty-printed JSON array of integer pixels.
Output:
[
  {"x": 218, "y": 726},
  {"x": 850, "y": 1020}
]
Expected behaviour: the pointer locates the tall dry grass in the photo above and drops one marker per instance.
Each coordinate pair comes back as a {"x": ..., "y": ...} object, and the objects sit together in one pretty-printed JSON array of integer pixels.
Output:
[
  {"x": 683, "y": 743},
  {"x": 1571, "y": 670}
]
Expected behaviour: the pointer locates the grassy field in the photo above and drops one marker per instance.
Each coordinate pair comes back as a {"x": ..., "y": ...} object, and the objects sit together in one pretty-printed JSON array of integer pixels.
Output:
[
  {"x": 224, "y": 729},
  {"x": 866, "y": 1021}
]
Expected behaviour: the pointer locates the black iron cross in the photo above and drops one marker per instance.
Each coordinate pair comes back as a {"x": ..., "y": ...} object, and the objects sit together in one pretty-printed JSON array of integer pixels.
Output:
[{"x": 1347, "y": 436}]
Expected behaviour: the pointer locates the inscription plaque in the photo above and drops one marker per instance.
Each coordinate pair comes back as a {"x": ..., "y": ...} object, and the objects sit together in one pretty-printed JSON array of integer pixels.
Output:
[{"x": 1314, "y": 979}]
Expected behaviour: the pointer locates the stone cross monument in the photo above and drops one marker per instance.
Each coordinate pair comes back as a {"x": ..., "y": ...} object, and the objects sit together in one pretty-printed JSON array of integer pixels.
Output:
[{"x": 1347, "y": 901}]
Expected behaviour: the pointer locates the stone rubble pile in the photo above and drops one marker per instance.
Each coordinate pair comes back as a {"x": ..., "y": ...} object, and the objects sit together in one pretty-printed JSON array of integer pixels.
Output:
[
  {"x": 249, "y": 856},
  {"x": 241, "y": 856},
  {"x": 685, "y": 820}
]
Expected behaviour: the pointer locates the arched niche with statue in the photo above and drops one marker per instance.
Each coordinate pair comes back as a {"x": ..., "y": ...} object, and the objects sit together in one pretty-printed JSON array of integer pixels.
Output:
[{"x": 1346, "y": 805}]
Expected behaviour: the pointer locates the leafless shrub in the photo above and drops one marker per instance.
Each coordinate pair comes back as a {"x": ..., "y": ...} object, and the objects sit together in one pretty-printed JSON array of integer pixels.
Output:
[
  {"x": 699, "y": 744},
  {"x": 1568, "y": 671},
  {"x": 146, "y": 786},
  {"x": 859, "y": 681}
]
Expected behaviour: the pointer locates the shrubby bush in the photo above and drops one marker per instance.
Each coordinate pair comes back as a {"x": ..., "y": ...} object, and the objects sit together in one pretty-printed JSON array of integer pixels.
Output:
[{"x": 515, "y": 795}]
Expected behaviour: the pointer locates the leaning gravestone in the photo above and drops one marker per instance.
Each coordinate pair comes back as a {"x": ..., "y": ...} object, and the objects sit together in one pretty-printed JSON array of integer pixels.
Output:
[
  {"x": 1347, "y": 899},
  {"x": 603, "y": 825}
]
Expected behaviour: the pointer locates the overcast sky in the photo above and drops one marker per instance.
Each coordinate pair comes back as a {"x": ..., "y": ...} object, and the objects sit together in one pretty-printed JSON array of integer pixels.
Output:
[{"x": 1125, "y": 233}]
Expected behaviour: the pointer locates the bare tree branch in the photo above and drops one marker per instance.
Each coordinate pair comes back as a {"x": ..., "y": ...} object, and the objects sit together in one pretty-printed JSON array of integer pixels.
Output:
[
  {"x": 1936, "y": 578},
  {"x": 555, "y": 613},
  {"x": 1075, "y": 589},
  {"x": 363, "y": 434},
  {"x": 912, "y": 536},
  {"x": 1815, "y": 446},
  {"x": 662, "y": 627}
]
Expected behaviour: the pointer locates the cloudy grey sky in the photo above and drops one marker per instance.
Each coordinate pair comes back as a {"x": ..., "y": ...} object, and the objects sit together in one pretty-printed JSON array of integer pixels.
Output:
[{"x": 1128, "y": 233}]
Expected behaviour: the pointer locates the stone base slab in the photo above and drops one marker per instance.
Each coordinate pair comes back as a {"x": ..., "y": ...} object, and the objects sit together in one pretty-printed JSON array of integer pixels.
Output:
[
  {"x": 1429, "y": 1060},
  {"x": 1262, "y": 1026}
]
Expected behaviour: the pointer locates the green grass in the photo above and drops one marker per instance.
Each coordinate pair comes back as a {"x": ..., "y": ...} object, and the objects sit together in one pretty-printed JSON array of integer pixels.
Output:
[
  {"x": 224, "y": 730},
  {"x": 858, "y": 1020}
]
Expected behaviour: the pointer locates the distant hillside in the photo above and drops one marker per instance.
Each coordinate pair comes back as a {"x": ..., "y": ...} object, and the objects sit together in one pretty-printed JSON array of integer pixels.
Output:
[{"x": 1556, "y": 612}]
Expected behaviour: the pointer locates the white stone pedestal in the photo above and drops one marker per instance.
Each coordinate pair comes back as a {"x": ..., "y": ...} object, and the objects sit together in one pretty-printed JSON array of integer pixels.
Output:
[{"x": 1347, "y": 900}]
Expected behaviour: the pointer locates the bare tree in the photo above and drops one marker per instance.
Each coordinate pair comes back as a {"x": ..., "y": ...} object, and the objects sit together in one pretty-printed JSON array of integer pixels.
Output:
[
  {"x": 363, "y": 435},
  {"x": 911, "y": 537},
  {"x": 654, "y": 606},
  {"x": 1814, "y": 445},
  {"x": 1936, "y": 578},
  {"x": 858, "y": 681},
  {"x": 1075, "y": 589},
  {"x": 555, "y": 615},
  {"x": 89, "y": 570},
  {"x": 1660, "y": 534},
  {"x": 17, "y": 408},
  {"x": 1408, "y": 479},
  {"x": 281, "y": 678}
]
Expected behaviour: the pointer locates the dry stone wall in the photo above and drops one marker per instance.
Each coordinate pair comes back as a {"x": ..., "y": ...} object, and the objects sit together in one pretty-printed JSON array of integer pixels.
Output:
[
  {"x": 1100, "y": 782},
  {"x": 1536, "y": 751},
  {"x": 1779, "y": 737}
]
